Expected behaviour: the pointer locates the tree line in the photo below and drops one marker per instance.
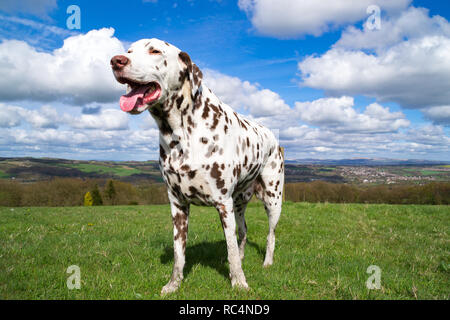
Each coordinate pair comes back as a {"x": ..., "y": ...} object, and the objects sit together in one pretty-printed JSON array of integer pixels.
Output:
[{"x": 78, "y": 192}]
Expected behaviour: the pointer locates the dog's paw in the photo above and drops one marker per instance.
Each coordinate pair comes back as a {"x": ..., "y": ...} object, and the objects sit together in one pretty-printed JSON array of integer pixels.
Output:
[
  {"x": 240, "y": 284},
  {"x": 267, "y": 263},
  {"x": 171, "y": 287}
]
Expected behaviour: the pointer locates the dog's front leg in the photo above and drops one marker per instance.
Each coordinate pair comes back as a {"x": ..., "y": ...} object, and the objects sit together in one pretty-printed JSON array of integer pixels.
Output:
[
  {"x": 180, "y": 218},
  {"x": 229, "y": 228}
]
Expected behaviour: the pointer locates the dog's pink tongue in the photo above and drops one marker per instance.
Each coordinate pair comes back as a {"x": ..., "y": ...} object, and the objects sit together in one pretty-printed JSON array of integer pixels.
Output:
[{"x": 129, "y": 101}]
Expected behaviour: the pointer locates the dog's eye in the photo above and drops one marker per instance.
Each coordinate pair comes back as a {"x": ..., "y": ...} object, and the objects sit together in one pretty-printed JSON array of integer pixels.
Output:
[
  {"x": 154, "y": 51},
  {"x": 130, "y": 51}
]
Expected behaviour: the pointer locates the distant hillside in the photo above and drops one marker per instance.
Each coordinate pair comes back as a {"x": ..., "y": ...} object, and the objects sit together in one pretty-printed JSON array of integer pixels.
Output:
[
  {"x": 32, "y": 169},
  {"x": 355, "y": 171},
  {"x": 368, "y": 162}
]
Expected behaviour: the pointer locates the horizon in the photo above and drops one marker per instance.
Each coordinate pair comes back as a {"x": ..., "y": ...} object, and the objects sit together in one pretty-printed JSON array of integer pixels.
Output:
[
  {"x": 331, "y": 84},
  {"x": 298, "y": 159}
]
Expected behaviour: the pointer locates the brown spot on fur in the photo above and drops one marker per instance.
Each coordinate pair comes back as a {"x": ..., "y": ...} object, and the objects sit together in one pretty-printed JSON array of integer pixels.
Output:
[
  {"x": 223, "y": 214},
  {"x": 191, "y": 174},
  {"x": 205, "y": 111},
  {"x": 270, "y": 194},
  {"x": 216, "y": 174},
  {"x": 181, "y": 225},
  {"x": 174, "y": 143},
  {"x": 179, "y": 101},
  {"x": 162, "y": 153}
]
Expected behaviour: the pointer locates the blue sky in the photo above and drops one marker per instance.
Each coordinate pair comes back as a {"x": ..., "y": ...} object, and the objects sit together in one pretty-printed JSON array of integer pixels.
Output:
[{"x": 338, "y": 89}]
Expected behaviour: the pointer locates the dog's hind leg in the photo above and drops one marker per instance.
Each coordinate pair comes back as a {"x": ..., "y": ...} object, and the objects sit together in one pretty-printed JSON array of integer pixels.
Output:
[
  {"x": 239, "y": 211},
  {"x": 227, "y": 217},
  {"x": 240, "y": 201},
  {"x": 269, "y": 189},
  {"x": 180, "y": 219}
]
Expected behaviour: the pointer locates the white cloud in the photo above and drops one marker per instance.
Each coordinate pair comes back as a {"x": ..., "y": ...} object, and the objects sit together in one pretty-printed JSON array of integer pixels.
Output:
[
  {"x": 339, "y": 114},
  {"x": 431, "y": 135},
  {"x": 49, "y": 117},
  {"x": 439, "y": 115},
  {"x": 106, "y": 119},
  {"x": 294, "y": 18},
  {"x": 46, "y": 117},
  {"x": 414, "y": 73},
  {"x": 78, "y": 72},
  {"x": 242, "y": 95},
  {"x": 80, "y": 143},
  {"x": 428, "y": 142},
  {"x": 9, "y": 116},
  {"x": 413, "y": 23},
  {"x": 12, "y": 116}
]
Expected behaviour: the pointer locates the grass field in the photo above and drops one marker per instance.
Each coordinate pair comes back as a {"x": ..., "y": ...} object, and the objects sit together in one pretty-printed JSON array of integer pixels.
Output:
[
  {"x": 120, "y": 171},
  {"x": 322, "y": 252}
]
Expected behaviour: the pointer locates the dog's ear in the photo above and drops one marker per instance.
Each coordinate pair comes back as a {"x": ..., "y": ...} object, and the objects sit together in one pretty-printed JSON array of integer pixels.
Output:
[{"x": 190, "y": 73}]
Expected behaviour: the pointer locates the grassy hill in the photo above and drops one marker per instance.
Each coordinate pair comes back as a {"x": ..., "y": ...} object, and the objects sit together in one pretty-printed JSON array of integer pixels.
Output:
[
  {"x": 32, "y": 169},
  {"x": 137, "y": 172},
  {"x": 322, "y": 252}
]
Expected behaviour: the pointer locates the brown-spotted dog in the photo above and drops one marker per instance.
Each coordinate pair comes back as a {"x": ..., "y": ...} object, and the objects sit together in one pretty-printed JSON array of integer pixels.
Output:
[{"x": 209, "y": 155}]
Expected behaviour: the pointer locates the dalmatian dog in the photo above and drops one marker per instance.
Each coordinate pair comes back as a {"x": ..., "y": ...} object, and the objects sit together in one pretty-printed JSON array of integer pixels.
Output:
[{"x": 209, "y": 154}]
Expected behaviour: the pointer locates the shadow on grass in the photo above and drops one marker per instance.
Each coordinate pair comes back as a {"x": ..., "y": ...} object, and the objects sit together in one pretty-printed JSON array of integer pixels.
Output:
[{"x": 209, "y": 254}]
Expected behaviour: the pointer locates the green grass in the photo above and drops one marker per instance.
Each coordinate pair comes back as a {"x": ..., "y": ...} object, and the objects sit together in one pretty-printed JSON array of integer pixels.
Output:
[
  {"x": 120, "y": 171},
  {"x": 4, "y": 175},
  {"x": 322, "y": 252},
  {"x": 429, "y": 173}
]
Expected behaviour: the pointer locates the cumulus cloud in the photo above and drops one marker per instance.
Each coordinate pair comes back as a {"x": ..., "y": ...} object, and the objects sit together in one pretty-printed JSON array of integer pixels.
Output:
[
  {"x": 288, "y": 18},
  {"x": 9, "y": 116},
  {"x": 439, "y": 115},
  {"x": 107, "y": 119},
  {"x": 242, "y": 95},
  {"x": 48, "y": 117},
  {"x": 12, "y": 116},
  {"x": 414, "y": 73},
  {"x": 427, "y": 141},
  {"x": 430, "y": 135},
  {"x": 77, "y": 73},
  {"x": 87, "y": 144},
  {"x": 339, "y": 114},
  {"x": 413, "y": 23}
]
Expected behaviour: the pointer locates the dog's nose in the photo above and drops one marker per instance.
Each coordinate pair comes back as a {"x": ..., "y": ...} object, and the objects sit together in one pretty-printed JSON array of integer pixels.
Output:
[{"x": 118, "y": 62}]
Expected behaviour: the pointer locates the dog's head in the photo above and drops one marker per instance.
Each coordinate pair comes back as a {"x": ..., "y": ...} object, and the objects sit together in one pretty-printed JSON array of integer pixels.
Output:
[{"x": 153, "y": 71}]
